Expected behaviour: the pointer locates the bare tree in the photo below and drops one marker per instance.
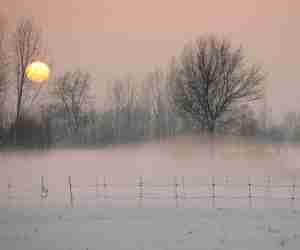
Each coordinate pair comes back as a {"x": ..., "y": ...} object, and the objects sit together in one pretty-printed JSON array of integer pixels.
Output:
[
  {"x": 3, "y": 67},
  {"x": 123, "y": 95},
  {"x": 26, "y": 47},
  {"x": 163, "y": 121},
  {"x": 3, "y": 73},
  {"x": 211, "y": 79},
  {"x": 72, "y": 90}
]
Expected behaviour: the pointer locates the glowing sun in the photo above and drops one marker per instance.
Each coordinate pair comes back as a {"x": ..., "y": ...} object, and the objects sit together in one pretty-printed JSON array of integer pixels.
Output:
[{"x": 37, "y": 72}]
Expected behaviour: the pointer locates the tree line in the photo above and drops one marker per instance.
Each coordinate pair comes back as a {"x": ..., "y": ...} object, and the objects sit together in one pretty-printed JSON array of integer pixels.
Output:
[{"x": 209, "y": 88}]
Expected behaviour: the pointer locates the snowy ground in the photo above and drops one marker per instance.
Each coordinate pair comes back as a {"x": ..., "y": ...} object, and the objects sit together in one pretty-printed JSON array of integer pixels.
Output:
[
  {"x": 134, "y": 228},
  {"x": 113, "y": 218}
]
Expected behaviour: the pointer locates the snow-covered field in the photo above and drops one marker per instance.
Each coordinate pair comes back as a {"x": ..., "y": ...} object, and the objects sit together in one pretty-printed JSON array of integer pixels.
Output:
[
  {"x": 123, "y": 221},
  {"x": 115, "y": 219},
  {"x": 113, "y": 228}
]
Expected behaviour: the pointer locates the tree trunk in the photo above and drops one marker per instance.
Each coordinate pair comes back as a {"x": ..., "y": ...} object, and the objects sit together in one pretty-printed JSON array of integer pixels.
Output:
[
  {"x": 211, "y": 127},
  {"x": 19, "y": 105}
]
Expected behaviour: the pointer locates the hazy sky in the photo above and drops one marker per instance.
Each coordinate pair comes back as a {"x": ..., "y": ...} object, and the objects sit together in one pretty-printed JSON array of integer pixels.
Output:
[{"x": 112, "y": 37}]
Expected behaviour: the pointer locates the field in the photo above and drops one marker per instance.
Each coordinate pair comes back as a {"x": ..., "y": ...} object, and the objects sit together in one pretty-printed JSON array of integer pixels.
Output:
[
  {"x": 149, "y": 228},
  {"x": 151, "y": 197}
]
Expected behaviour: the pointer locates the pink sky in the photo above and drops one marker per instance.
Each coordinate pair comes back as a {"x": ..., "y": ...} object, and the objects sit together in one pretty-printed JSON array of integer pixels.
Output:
[{"x": 112, "y": 37}]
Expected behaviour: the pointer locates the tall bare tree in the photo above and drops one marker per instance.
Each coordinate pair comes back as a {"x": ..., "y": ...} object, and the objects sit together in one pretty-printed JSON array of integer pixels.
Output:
[
  {"x": 3, "y": 72},
  {"x": 26, "y": 47},
  {"x": 72, "y": 90},
  {"x": 163, "y": 119},
  {"x": 212, "y": 78},
  {"x": 123, "y": 95}
]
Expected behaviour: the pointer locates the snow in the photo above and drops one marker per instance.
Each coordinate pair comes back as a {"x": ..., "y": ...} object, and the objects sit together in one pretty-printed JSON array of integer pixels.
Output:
[
  {"x": 115, "y": 219},
  {"x": 140, "y": 228}
]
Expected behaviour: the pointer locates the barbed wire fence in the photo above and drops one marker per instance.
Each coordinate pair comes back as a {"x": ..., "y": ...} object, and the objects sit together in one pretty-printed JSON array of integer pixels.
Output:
[{"x": 179, "y": 190}]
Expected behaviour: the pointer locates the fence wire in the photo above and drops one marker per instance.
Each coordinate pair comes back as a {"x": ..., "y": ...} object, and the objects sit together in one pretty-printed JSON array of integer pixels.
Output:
[{"x": 179, "y": 189}]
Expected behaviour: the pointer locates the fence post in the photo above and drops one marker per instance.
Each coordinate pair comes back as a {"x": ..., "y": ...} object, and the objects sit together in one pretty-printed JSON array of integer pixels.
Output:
[
  {"x": 44, "y": 189},
  {"x": 70, "y": 190},
  {"x": 176, "y": 185},
  {"x": 9, "y": 188},
  {"x": 140, "y": 186},
  {"x": 104, "y": 187},
  {"x": 183, "y": 186},
  {"x": 293, "y": 194},
  {"x": 104, "y": 182},
  {"x": 249, "y": 188},
  {"x": 213, "y": 185},
  {"x": 213, "y": 192},
  {"x": 42, "y": 183},
  {"x": 176, "y": 195}
]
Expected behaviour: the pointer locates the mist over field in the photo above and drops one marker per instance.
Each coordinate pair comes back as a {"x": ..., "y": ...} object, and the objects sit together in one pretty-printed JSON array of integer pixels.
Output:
[{"x": 197, "y": 159}]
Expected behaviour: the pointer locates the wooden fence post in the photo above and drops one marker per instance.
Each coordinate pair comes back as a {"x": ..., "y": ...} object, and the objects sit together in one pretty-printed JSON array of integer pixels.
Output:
[
  {"x": 249, "y": 188},
  {"x": 213, "y": 192},
  {"x": 176, "y": 185},
  {"x": 42, "y": 183},
  {"x": 293, "y": 194},
  {"x": 70, "y": 190},
  {"x": 104, "y": 187},
  {"x": 42, "y": 187},
  {"x": 140, "y": 186},
  {"x": 183, "y": 186},
  {"x": 213, "y": 185},
  {"x": 9, "y": 188},
  {"x": 104, "y": 182}
]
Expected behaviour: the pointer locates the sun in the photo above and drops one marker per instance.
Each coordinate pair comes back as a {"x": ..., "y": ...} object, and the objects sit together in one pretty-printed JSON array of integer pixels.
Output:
[{"x": 37, "y": 72}]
